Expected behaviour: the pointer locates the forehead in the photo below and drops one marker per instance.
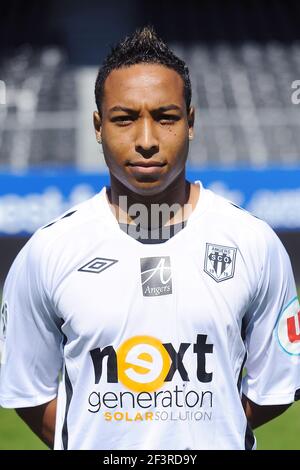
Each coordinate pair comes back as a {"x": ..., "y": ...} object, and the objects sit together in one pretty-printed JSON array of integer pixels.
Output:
[{"x": 144, "y": 84}]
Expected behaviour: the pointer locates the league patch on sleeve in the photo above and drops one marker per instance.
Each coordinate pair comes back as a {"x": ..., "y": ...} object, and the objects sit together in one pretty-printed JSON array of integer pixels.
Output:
[
  {"x": 3, "y": 328},
  {"x": 288, "y": 328}
]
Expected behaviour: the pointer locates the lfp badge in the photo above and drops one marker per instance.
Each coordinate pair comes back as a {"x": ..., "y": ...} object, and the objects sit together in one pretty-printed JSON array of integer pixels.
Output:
[
  {"x": 219, "y": 261},
  {"x": 288, "y": 328}
]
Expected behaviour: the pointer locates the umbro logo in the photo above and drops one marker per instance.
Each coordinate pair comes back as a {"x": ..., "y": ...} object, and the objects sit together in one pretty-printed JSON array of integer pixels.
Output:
[{"x": 97, "y": 265}]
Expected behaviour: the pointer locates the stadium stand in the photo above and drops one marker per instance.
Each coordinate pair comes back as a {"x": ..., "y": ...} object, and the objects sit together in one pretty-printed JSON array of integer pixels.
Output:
[
  {"x": 38, "y": 122},
  {"x": 242, "y": 93}
]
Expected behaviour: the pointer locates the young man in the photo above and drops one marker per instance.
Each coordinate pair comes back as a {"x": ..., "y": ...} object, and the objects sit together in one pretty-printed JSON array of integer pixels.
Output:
[{"x": 152, "y": 296}]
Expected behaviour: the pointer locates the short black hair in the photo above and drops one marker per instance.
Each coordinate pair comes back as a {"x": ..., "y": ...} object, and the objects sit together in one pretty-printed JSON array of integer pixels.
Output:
[{"x": 143, "y": 46}]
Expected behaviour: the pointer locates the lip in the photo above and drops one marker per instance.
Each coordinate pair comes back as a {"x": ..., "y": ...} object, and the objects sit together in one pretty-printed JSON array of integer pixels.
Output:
[
  {"x": 147, "y": 164},
  {"x": 146, "y": 168}
]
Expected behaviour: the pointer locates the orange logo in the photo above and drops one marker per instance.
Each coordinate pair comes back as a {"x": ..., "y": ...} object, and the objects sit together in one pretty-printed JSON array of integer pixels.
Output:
[{"x": 143, "y": 363}]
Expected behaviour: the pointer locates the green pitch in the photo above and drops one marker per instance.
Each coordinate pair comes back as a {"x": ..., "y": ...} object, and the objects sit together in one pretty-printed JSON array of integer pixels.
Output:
[
  {"x": 282, "y": 433},
  {"x": 14, "y": 434}
]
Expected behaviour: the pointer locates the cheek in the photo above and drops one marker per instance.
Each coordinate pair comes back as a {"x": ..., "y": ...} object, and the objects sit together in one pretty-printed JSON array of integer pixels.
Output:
[
  {"x": 116, "y": 137},
  {"x": 177, "y": 132},
  {"x": 175, "y": 140},
  {"x": 117, "y": 148}
]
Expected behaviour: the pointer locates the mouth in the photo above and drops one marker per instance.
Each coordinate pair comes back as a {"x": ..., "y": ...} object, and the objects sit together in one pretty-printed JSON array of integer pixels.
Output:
[{"x": 146, "y": 167}]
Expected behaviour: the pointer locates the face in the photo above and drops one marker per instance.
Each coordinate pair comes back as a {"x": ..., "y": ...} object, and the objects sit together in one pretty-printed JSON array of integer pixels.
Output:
[{"x": 144, "y": 127}]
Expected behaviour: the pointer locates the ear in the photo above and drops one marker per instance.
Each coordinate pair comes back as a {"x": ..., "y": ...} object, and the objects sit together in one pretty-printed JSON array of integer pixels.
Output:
[
  {"x": 98, "y": 126},
  {"x": 191, "y": 120}
]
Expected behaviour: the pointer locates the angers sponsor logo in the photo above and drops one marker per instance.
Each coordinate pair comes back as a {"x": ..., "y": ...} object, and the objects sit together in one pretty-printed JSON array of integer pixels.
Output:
[
  {"x": 219, "y": 261},
  {"x": 156, "y": 276},
  {"x": 288, "y": 328}
]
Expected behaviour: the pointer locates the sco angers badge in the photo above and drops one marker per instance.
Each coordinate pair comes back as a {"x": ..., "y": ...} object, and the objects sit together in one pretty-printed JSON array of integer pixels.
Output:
[{"x": 219, "y": 261}]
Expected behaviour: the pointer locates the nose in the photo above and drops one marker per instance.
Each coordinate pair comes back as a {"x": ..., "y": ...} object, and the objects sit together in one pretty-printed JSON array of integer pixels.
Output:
[{"x": 146, "y": 142}]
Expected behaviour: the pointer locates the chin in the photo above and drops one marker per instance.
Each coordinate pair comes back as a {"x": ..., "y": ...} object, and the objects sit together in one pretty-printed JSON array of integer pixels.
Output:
[{"x": 147, "y": 187}]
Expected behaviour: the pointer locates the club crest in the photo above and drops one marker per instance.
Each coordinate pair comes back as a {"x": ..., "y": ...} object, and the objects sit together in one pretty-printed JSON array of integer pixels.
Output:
[{"x": 219, "y": 261}]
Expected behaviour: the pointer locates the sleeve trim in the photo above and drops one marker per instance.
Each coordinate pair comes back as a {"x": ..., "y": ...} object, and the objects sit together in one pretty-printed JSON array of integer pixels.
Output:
[
  {"x": 278, "y": 399},
  {"x": 26, "y": 402}
]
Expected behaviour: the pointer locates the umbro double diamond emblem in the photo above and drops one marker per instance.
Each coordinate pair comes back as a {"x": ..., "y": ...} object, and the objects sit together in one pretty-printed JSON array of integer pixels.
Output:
[{"x": 97, "y": 265}]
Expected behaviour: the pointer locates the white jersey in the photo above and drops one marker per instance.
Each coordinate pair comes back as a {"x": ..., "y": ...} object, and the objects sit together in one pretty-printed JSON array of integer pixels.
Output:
[{"x": 151, "y": 338}]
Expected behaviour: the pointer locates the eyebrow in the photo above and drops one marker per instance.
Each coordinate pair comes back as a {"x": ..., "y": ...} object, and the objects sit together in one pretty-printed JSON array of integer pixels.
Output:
[{"x": 162, "y": 109}]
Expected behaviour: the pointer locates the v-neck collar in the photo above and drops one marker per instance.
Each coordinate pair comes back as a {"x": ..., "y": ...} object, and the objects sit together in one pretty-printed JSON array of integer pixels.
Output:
[{"x": 201, "y": 205}]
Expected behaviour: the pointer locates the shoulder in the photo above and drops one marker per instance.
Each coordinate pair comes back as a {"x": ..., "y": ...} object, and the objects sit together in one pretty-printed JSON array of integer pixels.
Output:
[
  {"x": 61, "y": 239},
  {"x": 246, "y": 229},
  {"x": 69, "y": 227}
]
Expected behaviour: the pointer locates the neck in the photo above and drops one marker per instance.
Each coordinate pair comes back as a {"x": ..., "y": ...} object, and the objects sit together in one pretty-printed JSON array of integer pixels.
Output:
[
  {"x": 176, "y": 192},
  {"x": 179, "y": 196}
]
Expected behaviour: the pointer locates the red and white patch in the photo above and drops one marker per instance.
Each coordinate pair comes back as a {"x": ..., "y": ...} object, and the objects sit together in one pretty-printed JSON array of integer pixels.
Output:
[{"x": 288, "y": 328}]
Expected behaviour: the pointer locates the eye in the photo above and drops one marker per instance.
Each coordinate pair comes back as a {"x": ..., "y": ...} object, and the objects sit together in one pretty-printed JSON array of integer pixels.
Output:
[
  {"x": 122, "y": 120},
  {"x": 168, "y": 119}
]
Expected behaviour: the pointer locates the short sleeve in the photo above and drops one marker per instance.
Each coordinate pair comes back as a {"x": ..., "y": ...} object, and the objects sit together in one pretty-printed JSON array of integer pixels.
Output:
[
  {"x": 31, "y": 340},
  {"x": 272, "y": 332}
]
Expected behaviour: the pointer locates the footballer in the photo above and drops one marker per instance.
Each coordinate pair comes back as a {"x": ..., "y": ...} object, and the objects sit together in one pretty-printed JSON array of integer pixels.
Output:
[{"x": 151, "y": 297}]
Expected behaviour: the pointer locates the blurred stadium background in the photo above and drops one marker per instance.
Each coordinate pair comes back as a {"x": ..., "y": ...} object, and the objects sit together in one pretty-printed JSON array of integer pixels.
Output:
[{"x": 244, "y": 59}]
